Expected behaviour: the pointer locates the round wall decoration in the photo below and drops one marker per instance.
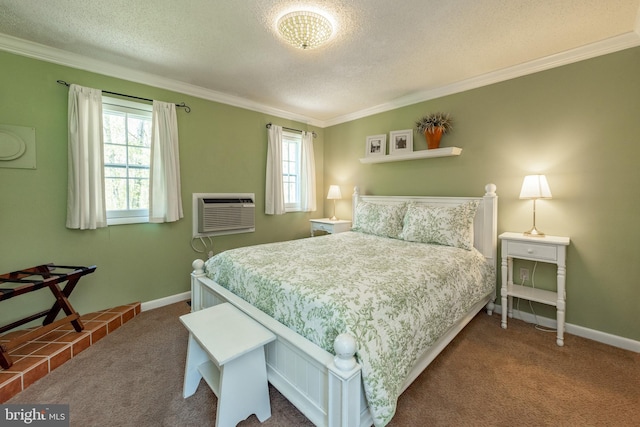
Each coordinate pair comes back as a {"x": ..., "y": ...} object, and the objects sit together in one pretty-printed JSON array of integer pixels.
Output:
[{"x": 11, "y": 146}]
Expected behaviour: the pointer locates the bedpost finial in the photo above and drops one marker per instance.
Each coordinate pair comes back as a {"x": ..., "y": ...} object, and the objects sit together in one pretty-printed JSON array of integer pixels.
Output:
[
  {"x": 198, "y": 266},
  {"x": 345, "y": 347},
  {"x": 490, "y": 189}
]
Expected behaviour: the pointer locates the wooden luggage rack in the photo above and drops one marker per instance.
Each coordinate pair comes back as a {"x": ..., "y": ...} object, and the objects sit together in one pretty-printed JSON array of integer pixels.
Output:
[{"x": 34, "y": 278}]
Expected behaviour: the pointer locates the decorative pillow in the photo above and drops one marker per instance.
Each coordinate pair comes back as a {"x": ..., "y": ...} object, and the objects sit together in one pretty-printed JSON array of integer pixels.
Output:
[
  {"x": 379, "y": 219},
  {"x": 443, "y": 225}
]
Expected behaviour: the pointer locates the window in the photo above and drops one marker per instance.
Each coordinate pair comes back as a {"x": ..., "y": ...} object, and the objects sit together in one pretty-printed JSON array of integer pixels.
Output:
[
  {"x": 290, "y": 184},
  {"x": 291, "y": 159},
  {"x": 127, "y": 157}
]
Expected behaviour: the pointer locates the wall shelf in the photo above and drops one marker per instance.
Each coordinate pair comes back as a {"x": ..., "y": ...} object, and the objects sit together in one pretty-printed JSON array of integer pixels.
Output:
[{"x": 422, "y": 154}]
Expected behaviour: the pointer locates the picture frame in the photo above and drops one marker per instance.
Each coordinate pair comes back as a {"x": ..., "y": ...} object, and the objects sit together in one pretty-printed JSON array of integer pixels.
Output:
[
  {"x": 376, "y": 146},
  {"x": 401, "y": 142}
]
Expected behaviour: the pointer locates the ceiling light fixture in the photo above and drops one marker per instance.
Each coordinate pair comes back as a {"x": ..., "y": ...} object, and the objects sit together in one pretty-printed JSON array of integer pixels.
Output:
[{"x": 305, "y": 30}]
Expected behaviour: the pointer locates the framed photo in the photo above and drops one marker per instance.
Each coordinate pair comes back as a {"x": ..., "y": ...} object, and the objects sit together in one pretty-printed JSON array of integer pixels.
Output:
[
  {"x": 401, "y": 142},
  {"x": 376, "y": 146}
]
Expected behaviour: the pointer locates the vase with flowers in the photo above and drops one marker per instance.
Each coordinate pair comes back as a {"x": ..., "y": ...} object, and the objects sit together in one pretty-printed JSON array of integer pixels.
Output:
[{"x": 433, "y": 126}]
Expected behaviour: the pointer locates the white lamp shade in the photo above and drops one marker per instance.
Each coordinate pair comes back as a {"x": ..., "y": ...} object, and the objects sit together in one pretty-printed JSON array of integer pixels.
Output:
[
  {"x": 334, "y": 192},
  {"x": 535, "y": 187}
]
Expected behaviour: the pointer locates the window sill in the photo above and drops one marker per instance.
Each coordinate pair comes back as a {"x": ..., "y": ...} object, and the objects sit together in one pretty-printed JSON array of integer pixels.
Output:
[{"x": 129, "y": 220}]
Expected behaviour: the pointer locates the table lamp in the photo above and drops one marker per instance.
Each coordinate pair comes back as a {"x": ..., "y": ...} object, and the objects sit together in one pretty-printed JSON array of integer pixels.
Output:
[
  {"x": 334, "y": 194},
  {"x": 535, "y": 187}
]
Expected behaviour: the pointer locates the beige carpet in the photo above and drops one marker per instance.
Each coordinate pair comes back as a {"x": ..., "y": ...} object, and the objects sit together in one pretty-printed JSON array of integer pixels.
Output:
[{"x": 486, "y": 377}]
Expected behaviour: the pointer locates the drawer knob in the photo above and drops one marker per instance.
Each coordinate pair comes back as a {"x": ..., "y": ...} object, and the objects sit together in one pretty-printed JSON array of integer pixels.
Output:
[{"x": 529, "y": 250}]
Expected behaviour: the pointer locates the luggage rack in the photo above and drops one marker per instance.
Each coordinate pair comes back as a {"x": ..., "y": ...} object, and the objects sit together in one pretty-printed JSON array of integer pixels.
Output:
[{"x": 31, "y": 279}]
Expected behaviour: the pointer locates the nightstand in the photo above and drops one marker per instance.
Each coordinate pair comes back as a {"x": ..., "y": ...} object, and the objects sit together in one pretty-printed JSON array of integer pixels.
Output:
[
  {"x": 325, "y": 224},
  {"x": 549, "y": 249}
]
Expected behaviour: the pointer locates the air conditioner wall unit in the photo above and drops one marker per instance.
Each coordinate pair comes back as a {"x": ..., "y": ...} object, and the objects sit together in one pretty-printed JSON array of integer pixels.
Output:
[{"x": 223, "y": 213}]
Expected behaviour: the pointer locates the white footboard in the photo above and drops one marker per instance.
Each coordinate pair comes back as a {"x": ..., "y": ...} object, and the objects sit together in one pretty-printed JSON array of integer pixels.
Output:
[{"x": 327, "y": 389}]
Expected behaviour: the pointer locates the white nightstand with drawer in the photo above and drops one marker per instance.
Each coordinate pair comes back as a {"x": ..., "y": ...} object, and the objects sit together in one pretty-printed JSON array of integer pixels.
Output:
[
  {"x": 550, "y": 249},
  {"x": 325, "y": 224}
]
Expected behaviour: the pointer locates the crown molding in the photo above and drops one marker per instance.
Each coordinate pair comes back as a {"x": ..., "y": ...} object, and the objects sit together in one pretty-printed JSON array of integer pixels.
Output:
[
  {"x": 61, "y": 57},
  {"x": 613, "y": 44},
  {"x": 68, "y": 59}
]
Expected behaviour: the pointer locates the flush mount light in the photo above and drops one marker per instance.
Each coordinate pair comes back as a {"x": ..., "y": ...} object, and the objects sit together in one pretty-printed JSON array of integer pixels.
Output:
[{"x": 305, "y": 30}]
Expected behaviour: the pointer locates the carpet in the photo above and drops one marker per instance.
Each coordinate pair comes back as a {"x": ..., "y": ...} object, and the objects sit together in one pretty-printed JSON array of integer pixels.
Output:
[{"x": 486, "y": 377}]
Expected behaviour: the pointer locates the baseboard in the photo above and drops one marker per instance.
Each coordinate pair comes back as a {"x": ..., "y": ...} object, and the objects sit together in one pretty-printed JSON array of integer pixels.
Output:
[
  {"x": 581, "y": 331},
  {"x": 157, "y": 303}
]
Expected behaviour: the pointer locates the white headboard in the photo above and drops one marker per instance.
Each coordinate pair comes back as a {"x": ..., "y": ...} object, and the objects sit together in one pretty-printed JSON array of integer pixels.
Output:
[{"x": 485, "y": 225}]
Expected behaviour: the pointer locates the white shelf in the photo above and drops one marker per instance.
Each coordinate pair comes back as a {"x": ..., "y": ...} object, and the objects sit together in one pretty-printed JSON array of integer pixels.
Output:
[
  {"x": 534, "y": 294},
  {"x": 422, "y": 154}
]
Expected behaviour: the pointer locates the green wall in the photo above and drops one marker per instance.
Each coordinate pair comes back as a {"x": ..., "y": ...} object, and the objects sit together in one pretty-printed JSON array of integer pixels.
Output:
[
  {"x": 580, "y": 125},
  {"x": 222, "y": 149}
]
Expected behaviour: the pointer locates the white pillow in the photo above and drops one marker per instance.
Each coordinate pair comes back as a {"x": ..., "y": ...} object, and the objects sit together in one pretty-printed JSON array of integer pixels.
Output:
[
  {"x": 442, "y": 225},
  {"x": 380, "y": 219}
]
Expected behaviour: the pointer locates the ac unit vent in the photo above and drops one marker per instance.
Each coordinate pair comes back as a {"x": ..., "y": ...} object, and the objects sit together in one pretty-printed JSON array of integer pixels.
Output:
[{"x": 226, "y": 214}]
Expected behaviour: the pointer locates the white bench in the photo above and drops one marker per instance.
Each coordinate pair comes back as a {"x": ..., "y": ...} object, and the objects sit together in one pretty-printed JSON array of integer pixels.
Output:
[{"x": 226, "y": 348}]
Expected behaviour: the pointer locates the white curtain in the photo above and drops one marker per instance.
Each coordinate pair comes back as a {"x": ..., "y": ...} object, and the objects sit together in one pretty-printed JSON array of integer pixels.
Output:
[
  {"x": 165, "y": 199},
  {"x": 274, "y": 193},
  {"x": 308, "y": 174},
  {"x": 86, "y": 207}
]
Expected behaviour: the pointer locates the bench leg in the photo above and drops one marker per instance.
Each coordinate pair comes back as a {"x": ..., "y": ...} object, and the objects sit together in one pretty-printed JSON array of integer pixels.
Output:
[
  {"x": 195, "y": 357},
  {"x": 243, "y": 389},
  {"x": 5, "y": 359}
]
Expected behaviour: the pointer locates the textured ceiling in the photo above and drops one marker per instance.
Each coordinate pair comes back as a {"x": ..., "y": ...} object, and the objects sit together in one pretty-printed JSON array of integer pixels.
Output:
[{"x": 383, "y": 51}]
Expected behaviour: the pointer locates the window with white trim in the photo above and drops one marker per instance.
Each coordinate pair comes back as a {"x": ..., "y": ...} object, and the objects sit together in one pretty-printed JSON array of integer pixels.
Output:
[
  {"x": 291, "y": 161},
  {"x": 127, "y": 158}
]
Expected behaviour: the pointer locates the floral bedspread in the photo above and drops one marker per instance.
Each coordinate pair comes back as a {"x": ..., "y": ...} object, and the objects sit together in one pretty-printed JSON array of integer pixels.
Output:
[{"x": 395, "y": 297}]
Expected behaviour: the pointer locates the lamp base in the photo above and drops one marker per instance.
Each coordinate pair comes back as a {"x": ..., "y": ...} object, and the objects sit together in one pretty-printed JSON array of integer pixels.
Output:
[
  {"x": 333, "y": 218},
  {"x": 534, "y": 232}
]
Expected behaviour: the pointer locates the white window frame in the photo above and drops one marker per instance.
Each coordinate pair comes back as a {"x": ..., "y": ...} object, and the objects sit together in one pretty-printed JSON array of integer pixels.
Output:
[
  {"x": 127, "y": 216},
  {"x": 292, "y": 139}
]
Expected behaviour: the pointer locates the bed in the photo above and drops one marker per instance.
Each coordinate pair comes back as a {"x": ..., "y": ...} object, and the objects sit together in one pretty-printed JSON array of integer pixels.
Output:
[{"x": 359, "y": 315}]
